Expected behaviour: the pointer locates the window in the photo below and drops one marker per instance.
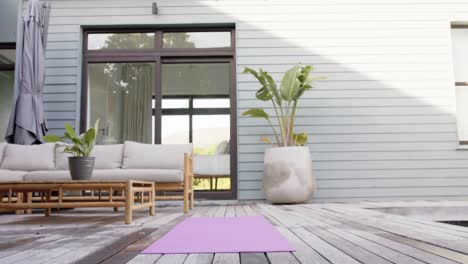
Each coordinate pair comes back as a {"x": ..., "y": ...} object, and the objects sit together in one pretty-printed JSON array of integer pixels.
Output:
[
  {"x": 120, "y": 96},
  {"x": 7, "y": 78},
  {"x": 460, "y": 66},
  {"x": 196, "y": 40},
  {"x": 110, "y": 41},
  {"x": 166, "y": 86}
]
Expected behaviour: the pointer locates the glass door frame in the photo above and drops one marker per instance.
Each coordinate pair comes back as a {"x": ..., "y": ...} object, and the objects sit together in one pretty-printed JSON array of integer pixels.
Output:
[{"x": 159, "y": 56}]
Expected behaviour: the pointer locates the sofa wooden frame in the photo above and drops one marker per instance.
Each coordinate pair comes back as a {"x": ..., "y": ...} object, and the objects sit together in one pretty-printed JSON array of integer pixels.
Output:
[{"x": 186, "y": 186}]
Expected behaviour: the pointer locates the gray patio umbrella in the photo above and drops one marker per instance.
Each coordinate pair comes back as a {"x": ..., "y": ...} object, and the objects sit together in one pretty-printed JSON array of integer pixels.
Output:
[{"x": 27, "y": 122}]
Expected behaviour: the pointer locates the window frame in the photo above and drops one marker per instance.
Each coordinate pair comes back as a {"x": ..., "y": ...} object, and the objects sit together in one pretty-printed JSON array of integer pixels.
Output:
[
  {"x": 7, "y": 66},
  {"x": 463, "y": 144},
  {"x": 159, "y": 56}
]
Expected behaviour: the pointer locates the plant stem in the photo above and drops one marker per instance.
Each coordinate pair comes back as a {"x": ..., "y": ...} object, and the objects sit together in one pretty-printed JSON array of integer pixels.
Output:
[
  {"x": 279, "y": 122},
  {"x": 274, "y": 132},
  {"x": 291, "y": 124}
]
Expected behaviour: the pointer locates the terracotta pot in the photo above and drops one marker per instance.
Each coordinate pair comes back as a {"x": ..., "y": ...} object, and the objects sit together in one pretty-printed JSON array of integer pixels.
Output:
[{"x": 288, "y": 175}]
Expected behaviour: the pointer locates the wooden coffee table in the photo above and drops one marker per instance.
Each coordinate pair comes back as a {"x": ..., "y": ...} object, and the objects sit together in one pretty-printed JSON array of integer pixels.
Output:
[{"x": 132, "y": 195}]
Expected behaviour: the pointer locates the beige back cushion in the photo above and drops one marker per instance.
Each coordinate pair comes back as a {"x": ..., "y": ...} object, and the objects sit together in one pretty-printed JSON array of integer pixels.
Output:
[
  {"x": 2, "y": 150},
  {"x": 29, "y": 157},
  {"x": 147, "y": 156},
  {"x": 106, "y": 157}
]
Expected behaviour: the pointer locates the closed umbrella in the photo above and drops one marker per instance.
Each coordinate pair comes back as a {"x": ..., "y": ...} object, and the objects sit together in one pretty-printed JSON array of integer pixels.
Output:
[{"x": 27, "y": 122}]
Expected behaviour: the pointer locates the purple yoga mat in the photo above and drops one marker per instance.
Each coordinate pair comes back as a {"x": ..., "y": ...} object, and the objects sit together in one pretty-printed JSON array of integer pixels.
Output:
[{"x": 221, "y": 235}]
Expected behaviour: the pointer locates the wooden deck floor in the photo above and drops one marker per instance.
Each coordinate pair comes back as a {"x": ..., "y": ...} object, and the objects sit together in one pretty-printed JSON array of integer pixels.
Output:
[{"x": 321, "y": 233}]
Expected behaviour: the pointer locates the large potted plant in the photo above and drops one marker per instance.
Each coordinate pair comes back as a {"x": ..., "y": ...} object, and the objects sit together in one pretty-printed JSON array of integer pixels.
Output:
[
  {"x": 288, "y": 174},
  {"x": 80, "y": 163}
]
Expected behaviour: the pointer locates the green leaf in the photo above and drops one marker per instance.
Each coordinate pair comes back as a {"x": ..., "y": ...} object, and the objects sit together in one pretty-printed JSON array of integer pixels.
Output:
[
  {"x": 68, "y": 136},
  {"x": 96, "y": 125},
  {"x": 318, "y": 78},
  {"x": 300, "y": 139},
  {"x": 89, "y": 136},
  {"x": 302, "y": 90},
  {"x": 251, "y": 71},
  {"x": 256, "y": 113},
  {"x": 305, "y": 71},
  {"x": 52, "y": 138},
  {"x": 274, "y": 89},
  {"x": 70, "y": 130},
  {"x": 290, "y": 84},
  {"x": 263, "y": 94}
]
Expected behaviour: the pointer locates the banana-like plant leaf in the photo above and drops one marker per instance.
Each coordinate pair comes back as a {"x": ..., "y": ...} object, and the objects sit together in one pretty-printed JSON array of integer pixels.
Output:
[
  {"x": 300, "y": 139},
  {"x": 251, "y": 71},
  {"x": 263, "y": 94},
  {"x": 302, "y": 90},
  {"x": 295, "y": 82},
  {"x": 305, "y": 71},
  {"x": 290, "y": 84},
  {"x": 256, "y": 113},
  {"x": 259, "y": 76},
  {"x": 274, "y": 89}
]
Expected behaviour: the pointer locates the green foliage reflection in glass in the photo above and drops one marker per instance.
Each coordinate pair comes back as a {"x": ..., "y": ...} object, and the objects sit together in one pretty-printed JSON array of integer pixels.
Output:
[
  {"x": 295, "y": 82},
  {"x": 77, "y": 145},
  {"x": 146, "y": 41}
]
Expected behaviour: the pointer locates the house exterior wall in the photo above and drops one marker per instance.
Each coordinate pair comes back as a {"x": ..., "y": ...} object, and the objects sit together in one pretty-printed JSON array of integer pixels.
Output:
[{"x": 381, "y": 127}]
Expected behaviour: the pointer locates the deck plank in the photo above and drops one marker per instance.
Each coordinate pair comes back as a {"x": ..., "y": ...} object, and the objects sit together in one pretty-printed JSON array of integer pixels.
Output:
[
  {"x": 230, "y": 211},
  {"x": 253, "y": 258},
  {"x": 172, "y": 259},
  {"x": 381, "y": 237},
  {"x": 282, "y": 258},
  {"x": 199, "y": 259},
  {"x": 145, "y": 259},
  {"x": 320, "y": 233},
  {"x": 226, "y": 258},
  {"x": 221, "y": 212},
  {"x": 240, "y": 210},
  {"x": 450, "y": 242}
]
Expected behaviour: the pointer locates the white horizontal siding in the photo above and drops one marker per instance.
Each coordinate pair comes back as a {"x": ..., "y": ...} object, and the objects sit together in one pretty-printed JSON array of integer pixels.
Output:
[{"x": 381, "y": 126}]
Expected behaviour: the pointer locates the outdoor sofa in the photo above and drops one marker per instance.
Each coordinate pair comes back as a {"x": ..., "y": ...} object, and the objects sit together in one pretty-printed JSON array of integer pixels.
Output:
[{"x": 169, "y": 166}]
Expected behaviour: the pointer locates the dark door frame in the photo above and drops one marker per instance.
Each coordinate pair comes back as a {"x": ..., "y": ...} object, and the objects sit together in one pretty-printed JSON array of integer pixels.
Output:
[
  {"x": 9, "y": 66},
  {"x": 159, "y": 56}
]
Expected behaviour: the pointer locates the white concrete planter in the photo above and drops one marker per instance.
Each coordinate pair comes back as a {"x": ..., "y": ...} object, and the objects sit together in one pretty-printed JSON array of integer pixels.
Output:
[{"x": 288, "y": 175}]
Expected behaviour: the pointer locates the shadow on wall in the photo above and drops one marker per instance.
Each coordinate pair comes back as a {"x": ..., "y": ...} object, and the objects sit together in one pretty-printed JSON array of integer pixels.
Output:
[{"x": 382, "y": 126}]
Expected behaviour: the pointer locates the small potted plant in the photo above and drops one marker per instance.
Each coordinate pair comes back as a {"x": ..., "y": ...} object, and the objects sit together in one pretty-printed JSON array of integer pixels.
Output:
[
  {"x": 80, "y": 163},
  {"x": 287, "y": 165}
]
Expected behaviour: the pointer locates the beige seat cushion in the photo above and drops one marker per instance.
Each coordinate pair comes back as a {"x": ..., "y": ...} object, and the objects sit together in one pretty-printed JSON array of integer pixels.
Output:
[
  {"x": 29, "y": 157},
  {"x": 153, "y": 175},
  {"x": 8, "y": 175},
  {"x": 148, "y": 156},
  {"x": 106, "y": 157},
  {"x": 156, "y": 175},
  {"x": 52, "y": 175}
]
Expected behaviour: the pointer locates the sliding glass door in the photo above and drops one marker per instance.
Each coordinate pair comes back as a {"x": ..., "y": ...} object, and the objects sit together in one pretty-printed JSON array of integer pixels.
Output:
[
  {"x": 121, "y": 97},
  {"x": 196, "y": 109},
  {"x": 170, "y": 87}
]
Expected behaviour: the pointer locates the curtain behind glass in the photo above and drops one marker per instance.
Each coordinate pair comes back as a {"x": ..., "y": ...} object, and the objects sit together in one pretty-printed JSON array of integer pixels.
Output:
[{"x": 137, "y": 99}]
